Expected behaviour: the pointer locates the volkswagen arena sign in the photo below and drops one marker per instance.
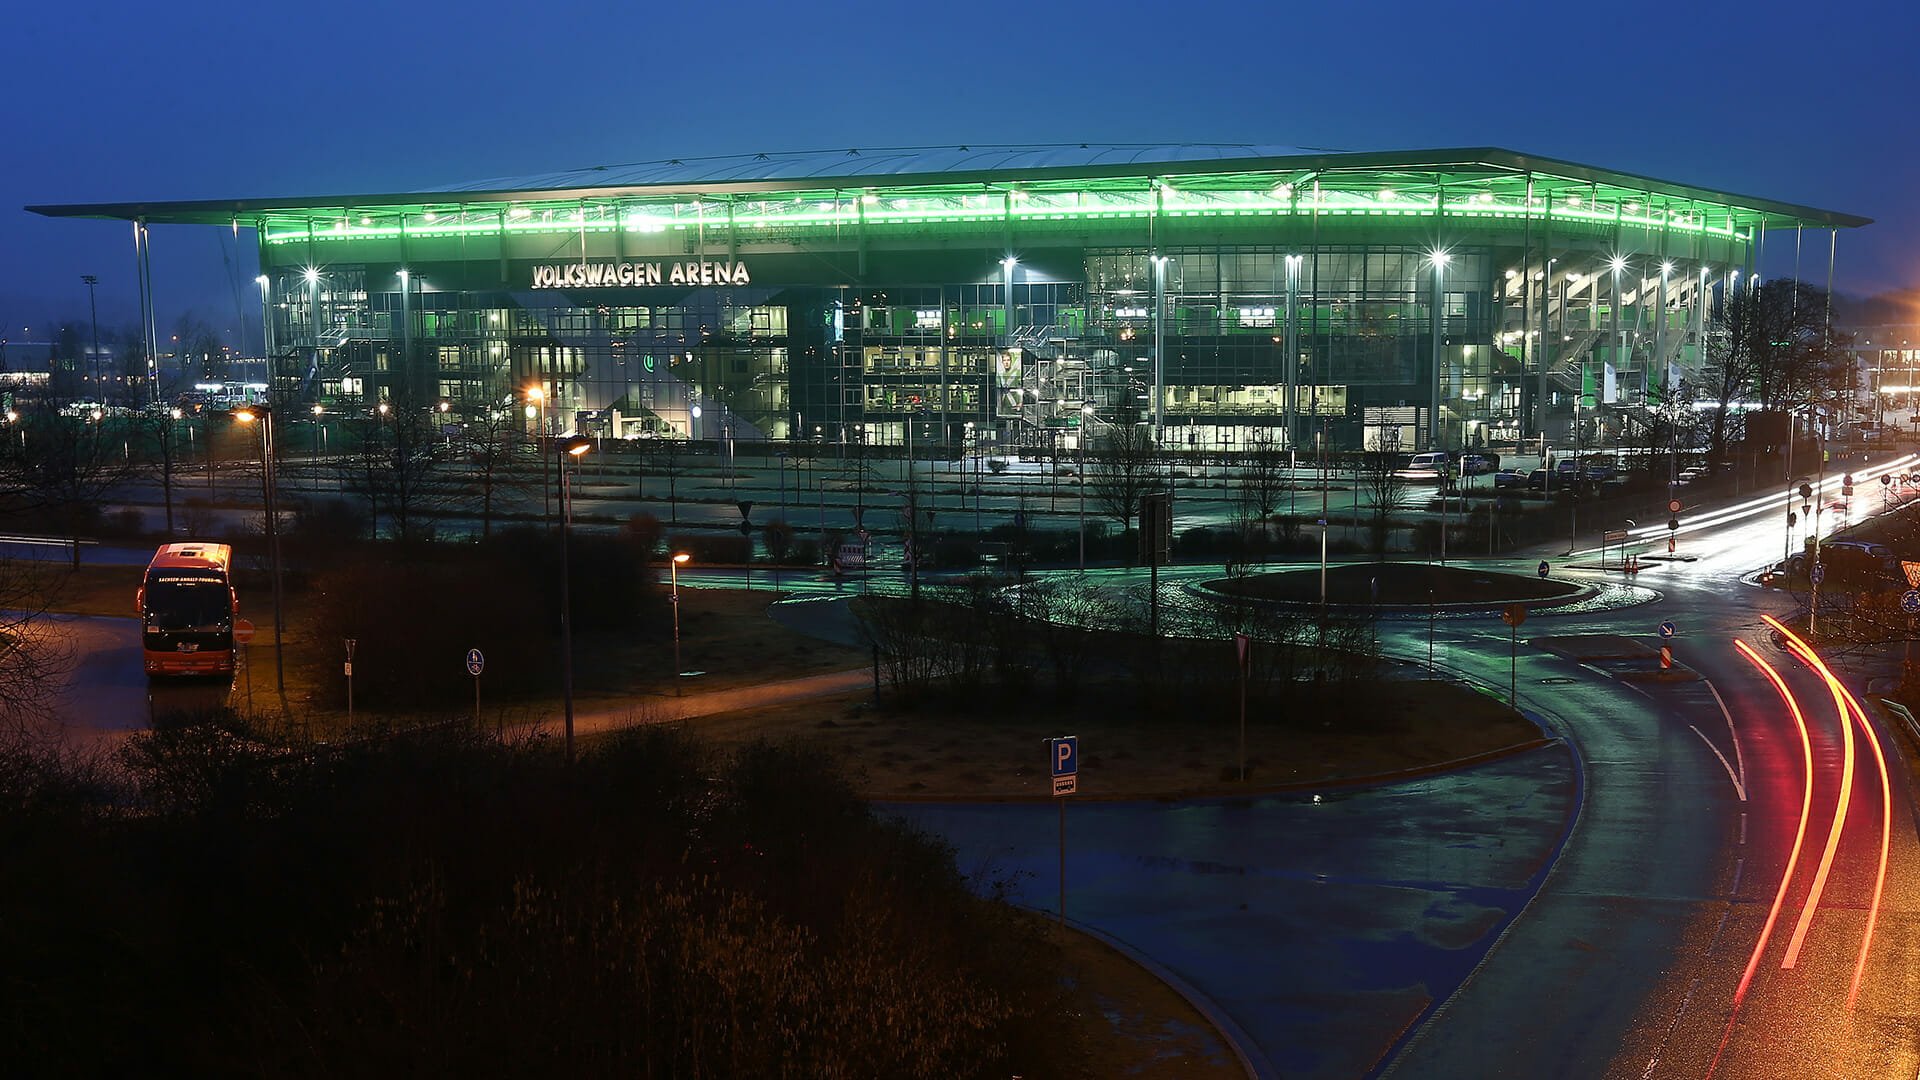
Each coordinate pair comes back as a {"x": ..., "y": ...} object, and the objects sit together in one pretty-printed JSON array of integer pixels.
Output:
[{"x": 603, "y": 275}]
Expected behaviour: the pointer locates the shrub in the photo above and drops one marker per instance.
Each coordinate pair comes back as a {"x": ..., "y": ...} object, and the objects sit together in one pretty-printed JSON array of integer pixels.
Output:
[{"x": 714, "y": 549}]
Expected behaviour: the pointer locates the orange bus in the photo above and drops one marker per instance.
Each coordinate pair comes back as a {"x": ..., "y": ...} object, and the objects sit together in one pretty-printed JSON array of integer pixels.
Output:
[{"x": 186, "y": 605}]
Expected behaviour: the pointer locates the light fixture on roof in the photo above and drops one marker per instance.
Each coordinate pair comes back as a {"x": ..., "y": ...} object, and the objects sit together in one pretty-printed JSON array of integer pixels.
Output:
[
  {"x": 1618, "y": 262},
  {"x": 1284, "y": 191},
  {"x": 1666, "y": 268}
]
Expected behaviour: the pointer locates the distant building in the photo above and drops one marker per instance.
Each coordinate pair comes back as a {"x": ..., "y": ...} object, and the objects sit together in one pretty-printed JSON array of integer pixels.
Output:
[{"x": 1424, "y": 299}]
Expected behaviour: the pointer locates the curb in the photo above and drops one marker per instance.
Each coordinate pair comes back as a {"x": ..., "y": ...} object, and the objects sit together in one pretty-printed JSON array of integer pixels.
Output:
[
  {"x": 1333, "y": 783},
  {"x": 1205, "y": 590},
  {"x": 1236, "y": 1039}
]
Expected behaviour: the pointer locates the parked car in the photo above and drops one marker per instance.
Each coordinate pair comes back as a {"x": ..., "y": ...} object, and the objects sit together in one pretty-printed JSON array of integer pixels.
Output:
[
  {"x": 1509, "y": 478},
  {"x": 1478, "y": 464},
  {"x": 1858, "y": 563},
  {"x": 1601, "y": 468},
  {"x": 1437, "y": 461}
]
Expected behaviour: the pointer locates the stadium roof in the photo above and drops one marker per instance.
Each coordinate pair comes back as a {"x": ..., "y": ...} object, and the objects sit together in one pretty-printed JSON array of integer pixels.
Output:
[{"x": 978, "y": 167}]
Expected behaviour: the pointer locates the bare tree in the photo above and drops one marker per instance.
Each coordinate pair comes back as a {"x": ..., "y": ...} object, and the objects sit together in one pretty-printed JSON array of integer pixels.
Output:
[
  {"x": 34, "y": 656},
  {"x": 1124, "y": 467},
  {"x": 493, "y": 440},
  {"x": 1263, "y": 477},
  {"x": 198, "y": 346},
  {"x": 1377, "y": 471},
  {"x": 58, "y": 468}
]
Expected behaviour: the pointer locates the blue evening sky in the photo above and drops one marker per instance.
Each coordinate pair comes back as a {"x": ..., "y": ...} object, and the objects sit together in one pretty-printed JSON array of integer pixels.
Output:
[{"x": 122, "y": 101}]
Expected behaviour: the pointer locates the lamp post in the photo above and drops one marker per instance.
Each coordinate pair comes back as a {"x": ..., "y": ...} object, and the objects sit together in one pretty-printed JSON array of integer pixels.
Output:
[
  {"x": 266, "y": 321},
  {"x": 93, "y": 358},
  {"x": 680, "y": 558},
  {"x": 264, "y": 414},
  {"x": 1086, "y": 414},
  {"x": 319, "y": 433},
  {"x": 538, "y": 398},
  {"x": 572, "y": 448}
]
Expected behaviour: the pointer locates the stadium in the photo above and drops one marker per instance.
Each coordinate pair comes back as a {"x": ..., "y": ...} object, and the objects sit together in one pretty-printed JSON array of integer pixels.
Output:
[{"x": 1013, "y": 296}]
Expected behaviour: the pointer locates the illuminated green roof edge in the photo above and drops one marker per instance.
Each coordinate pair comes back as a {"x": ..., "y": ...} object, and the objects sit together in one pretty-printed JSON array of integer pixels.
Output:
[{"x": 1410, "y": 177}]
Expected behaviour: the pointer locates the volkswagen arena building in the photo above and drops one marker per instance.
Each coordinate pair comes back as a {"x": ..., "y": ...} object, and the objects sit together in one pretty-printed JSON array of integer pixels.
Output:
[{"x": 1014, "y": 295}]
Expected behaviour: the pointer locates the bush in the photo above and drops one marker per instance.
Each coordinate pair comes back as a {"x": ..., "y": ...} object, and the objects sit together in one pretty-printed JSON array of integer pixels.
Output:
[
  {"x": 414, "y": 622},
  {"x": 714, "y": 549},
  {"x": 449, "y": 905}
]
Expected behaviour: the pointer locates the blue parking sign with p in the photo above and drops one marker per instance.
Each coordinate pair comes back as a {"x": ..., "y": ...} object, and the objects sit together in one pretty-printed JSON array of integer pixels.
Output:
[{"x": 1066, "y": 755}]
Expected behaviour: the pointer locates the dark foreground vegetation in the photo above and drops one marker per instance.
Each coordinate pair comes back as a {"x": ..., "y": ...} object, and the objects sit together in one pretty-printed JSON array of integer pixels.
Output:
[{"x": 445, "y": 905}]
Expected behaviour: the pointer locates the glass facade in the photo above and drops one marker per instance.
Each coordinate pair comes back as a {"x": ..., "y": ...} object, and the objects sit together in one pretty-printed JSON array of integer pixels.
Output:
[{"x": 1359, "y": 307}]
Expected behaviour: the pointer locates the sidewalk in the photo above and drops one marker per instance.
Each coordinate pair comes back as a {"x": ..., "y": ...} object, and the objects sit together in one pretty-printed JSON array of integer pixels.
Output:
[{"x": 654, "y": 709}]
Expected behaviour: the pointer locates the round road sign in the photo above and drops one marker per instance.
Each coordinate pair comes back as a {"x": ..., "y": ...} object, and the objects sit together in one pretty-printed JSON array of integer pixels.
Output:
[
  {"x": 1674, "y": 506},
  {"x": 476, "y": 663},
  {"x": 1819, "y": 573},
  {"x": 1910, "y": 601},
  {"x": 1667, "y": 629},
  {"x": 243, "y": 630},
  {"x": 1514, "y": 615},
  {"x": 1543, "y": 568}
]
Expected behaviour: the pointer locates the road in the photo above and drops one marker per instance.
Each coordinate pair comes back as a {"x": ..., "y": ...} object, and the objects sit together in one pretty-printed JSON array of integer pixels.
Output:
[{"x": 1616, "y": 904}]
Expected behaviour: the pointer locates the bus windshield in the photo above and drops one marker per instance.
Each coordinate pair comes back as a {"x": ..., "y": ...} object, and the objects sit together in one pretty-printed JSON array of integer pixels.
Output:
[{"x": 187, "y": 603}]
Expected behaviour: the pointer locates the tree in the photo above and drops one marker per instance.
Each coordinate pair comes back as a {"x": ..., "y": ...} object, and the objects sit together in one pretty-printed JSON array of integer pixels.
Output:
[
  {"x": 1776, "y": 346},
  {"x": 492, "y": 440},
  {"x": 161, "y": 431},
  {"x": 1377, "y": 471},
  {"x": 197, "y": 346},
  {"x": 34, "y": 657},
  {"x": 58, "y": 468},
  {"x": 1124, "y": 467},
  {"x": 1264, "y": 477}
]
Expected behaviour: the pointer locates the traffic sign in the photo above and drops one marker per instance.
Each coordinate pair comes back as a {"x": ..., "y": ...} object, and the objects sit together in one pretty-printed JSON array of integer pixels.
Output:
[
  {"x": 476, "y": 663},
  {"x": 1673, "y": 505},
  {"x": 1666, "y": 657},
  {"x": 1063, "y": 756},
  {"x": 243, "y": 630},
  {"x": 1673, "y": 524},
  {"x": 1543, "y": 568},
  {"x": 1910, "y": 601},
  {"x": 1912, "y": 570},
  {"x": 1819, "y": 573},
  {"x": 1514, "y": 615},
  {"x": 1667, "y": 629}
]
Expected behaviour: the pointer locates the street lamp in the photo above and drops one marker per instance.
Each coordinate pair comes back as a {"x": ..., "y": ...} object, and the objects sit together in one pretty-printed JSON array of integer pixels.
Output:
[
  {"x": 680, "y": 558},
  {"x": 538, "y": 399},
  {"x": 319, "y": 431},
  {"x": 1086, "y": 414},
  {"x": 93, "y": 359},
  {"x": 572, "y": 448},
  {"x": 1438, "y": 259},
  {"x": 264, "y": 414}
]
